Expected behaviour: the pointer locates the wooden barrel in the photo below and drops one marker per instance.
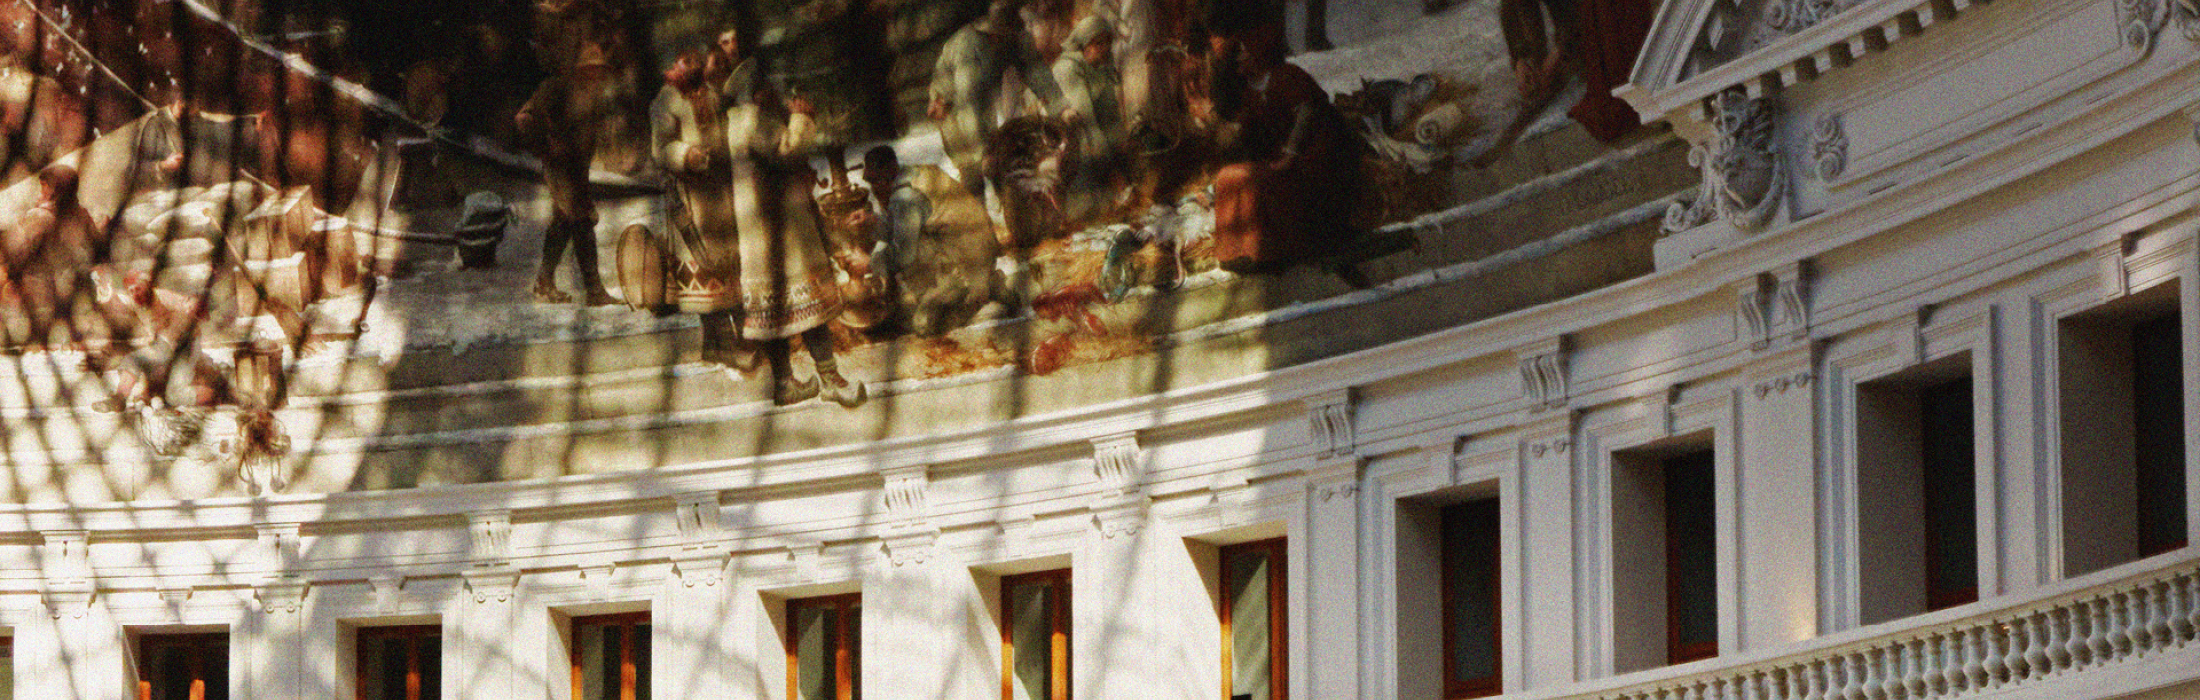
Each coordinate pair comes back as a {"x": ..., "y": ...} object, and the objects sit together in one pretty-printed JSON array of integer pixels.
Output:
[{"x": 641, "y": 268}]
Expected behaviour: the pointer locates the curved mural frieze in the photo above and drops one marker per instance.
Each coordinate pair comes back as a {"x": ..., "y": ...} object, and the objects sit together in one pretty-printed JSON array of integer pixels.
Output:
[{"x": 255, "y": 247}]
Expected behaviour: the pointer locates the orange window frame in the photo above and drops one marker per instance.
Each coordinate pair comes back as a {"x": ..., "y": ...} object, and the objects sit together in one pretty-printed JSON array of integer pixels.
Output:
[
  {"x": 627, "y": 625},
  {"x": 415, "y": 674},
  {"x": 1273, "y": 549},
  {"x": 1058, "y": 676},
  {"x": 845, "y": 645}
]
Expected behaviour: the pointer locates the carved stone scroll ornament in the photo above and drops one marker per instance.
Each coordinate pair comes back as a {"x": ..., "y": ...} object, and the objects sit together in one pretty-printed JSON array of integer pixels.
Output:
[
  {"x": 2141, "y": 20},
  {"x": 1829, "y": 147},
  {"x": 1743, "y": 179},
  {"x": 1797, "y": 15},
  {"x": 2187, "y": 14}
]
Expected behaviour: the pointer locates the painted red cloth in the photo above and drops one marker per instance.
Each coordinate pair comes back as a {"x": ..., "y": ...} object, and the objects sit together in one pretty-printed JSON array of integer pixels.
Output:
[
  {"x": 1612, "y": 32},
  {"x": 1292, "y": 186}
]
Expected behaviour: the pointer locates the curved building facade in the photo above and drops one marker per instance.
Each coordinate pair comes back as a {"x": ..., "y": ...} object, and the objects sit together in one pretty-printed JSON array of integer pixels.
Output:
[{"x": 1390, "y": 369}]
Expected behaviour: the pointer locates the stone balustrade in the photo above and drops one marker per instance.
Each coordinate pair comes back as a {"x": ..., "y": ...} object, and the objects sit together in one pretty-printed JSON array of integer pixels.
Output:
[{"x": 2070, "y": 631}]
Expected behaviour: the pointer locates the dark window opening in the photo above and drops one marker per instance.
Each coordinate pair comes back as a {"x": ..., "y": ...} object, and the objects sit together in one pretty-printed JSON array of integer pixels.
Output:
[
  {"x": 1472, "y": 618},
  {"x": 187, "y": 666},
  {"x": 2158, "y": 432},
  {"x": 1691, "y": 560},
  {"x": 1951, "y": 504},
  {"x": 400, "y": 663}
]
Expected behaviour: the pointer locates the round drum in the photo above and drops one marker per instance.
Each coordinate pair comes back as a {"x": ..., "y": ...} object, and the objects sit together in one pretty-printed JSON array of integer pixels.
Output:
[{"x": 641, "y": 268}]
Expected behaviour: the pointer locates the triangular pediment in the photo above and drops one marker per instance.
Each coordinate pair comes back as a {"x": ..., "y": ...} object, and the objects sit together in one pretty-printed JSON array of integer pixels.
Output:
[{"x": 1700, "y": 47}]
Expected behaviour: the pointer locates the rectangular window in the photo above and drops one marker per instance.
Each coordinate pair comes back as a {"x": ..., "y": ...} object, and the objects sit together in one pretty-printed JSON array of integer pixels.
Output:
[
  {"x": 400, "y": 663},
  {"x": 611, "y": 657},
  {"x": 1035, "y": 638},
  {"x": 2158, "y": 432},
  {"x": 1252, "y": 620},
  {"x": 1664, "y": 558},
  {"x": 1691, "y": 562},
  {"x": 1471, "y": 614},
  {"x": 824, "y": 644},
  {"x": 1950, "y": 472},
  {"x": 2123, "y": 431},
  {"x": 189, "y": 666},
  {"x": 1916, "y": 496}
]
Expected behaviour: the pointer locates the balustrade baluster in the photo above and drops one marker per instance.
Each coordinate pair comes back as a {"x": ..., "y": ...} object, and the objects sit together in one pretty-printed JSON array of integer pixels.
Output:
[
  {"x": 1816, "y": 679},
  {"x": 1959, "y": 659},
  {"x": 1890, "y": 671},
  {"x": 2037, "y": 662},
  {"x": 1853, "y": 681},
  {"x": 2074, "y": 648},
  {"x": 1978, "y": 659},
  {"x": 2015, "y": 642},
  {"x": 1913, "y": 667},
  {"x": 2190, "y": 603},
  {"x": 2123, "y": 623},
  {"x": 2098, "y": 628},
  {"x": 2152, "y": 624},
  {"x": 1942, "y": 665},
  {"x": 1828, "y": 679},
  {"x": 1982, "y": 662},
  {"x": 2147, "y": 622},
  {"x": 2184, "y": 615}
]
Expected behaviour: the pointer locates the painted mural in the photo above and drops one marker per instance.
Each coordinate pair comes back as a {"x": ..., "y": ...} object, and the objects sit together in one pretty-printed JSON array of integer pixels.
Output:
[{"x": 819, "y": 200}]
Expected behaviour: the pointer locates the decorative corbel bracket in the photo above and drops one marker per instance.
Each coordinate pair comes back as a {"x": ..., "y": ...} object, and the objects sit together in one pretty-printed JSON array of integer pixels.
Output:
[
  {"x": 907, "y": 488},
  {"x": 68, "y": 556},
  {"x": 1543, "y": 374},
  {"x": 1775, "y": 307},
  {"x": 69, "y": 589},
  {"x": 1329, "y": 414},
  {"x": 1121, "y": 509},
  {"x": 700, "y": 518},
  {"x": 1115, "y": 463},
  {"x": 492, "y": 536},
  {"x": 2113, "y": 262},
  {"x": 1790, "y": 313},
  {"x": 278, "y": 545}
]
